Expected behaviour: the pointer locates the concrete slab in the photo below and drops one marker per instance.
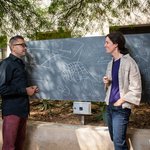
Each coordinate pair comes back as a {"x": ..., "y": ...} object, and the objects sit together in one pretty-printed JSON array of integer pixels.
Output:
[{"x": 53, "y": 136}]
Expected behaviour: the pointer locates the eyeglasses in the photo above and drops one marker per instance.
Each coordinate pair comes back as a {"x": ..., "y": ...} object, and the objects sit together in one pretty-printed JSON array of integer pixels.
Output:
[{"x": 21, "y": 44}]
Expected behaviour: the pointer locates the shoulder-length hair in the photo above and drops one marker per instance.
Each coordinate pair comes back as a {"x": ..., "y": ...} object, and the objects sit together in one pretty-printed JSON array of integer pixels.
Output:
[{"x": 118, "y": 38}]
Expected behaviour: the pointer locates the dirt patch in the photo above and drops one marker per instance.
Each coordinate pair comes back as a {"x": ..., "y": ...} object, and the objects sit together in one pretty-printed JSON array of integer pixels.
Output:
[{"x": 62, "y": 112}]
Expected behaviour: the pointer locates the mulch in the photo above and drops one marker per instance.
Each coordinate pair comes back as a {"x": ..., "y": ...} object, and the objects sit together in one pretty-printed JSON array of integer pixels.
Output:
[{"x": 62, "y": 112}]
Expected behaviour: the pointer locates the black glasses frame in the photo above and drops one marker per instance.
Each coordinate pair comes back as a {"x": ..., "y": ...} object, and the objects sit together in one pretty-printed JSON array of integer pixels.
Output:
[{"x": 21, "y": 44}]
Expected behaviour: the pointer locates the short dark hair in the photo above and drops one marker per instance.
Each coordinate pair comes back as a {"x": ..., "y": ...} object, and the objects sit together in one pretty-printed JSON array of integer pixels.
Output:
[
  {"x": 14, "y": 39},
  {"x": 118, "y": 38}
]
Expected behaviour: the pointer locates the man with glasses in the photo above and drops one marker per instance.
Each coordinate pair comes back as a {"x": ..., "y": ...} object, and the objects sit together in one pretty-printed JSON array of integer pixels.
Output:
[{"x": 14, "y": 91}]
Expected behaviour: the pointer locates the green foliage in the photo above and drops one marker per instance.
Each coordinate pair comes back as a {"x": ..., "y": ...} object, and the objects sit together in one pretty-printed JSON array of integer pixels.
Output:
[
  {"x": 3, "y": 41},
  {"x": 77, "y": 16},
  {"x": 50, "y": 35},
  {"x": 80, "y": 15},
  {"x": 46, "y": 104},
  {"x": 101, "y": 114},
  {"x": 20, "y": 15}
]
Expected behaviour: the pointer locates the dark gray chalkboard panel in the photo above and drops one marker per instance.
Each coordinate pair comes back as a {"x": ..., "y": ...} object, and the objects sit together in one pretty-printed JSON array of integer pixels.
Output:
[
  {"x": 72, "y": 69},
  {"x": 68, "y": 69},
  {"x": 139, "y": 45}
]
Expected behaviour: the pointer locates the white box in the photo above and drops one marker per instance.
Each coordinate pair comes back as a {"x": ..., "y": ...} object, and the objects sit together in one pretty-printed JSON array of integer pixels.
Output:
[{"x": 82, "y": 108}]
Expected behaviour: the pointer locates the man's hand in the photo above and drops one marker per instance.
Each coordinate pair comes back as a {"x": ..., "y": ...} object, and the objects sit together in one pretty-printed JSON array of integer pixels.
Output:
[
  {"x": 32, "y": 90},
  {"x": 36, "y": 88}
]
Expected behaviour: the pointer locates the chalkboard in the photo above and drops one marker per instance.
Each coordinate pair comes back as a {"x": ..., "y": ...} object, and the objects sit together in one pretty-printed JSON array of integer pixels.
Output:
[
  {"x": 139, "y": 46},
  {"x": 68, "y": 69},
  {"x": 72, "y": 69}
]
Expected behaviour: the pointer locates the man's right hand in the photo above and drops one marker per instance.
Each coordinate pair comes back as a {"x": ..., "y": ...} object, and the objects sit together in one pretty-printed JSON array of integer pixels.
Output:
[{"x": 31, "y": 90}]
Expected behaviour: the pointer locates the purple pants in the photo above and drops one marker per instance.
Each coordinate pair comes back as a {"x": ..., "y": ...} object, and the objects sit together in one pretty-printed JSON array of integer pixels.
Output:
[{"x": 14, "y": 130}]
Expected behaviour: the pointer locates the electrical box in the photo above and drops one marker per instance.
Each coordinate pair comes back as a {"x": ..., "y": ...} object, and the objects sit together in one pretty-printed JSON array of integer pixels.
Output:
[{"x": 82, "y": 108}]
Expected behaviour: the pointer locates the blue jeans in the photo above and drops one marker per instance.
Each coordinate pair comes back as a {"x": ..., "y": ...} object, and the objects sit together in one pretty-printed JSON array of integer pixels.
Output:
[{"x": 117, "y": 120}]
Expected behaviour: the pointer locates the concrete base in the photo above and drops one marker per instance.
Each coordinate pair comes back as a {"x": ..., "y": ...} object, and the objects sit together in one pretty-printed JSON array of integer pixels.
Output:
[{"x": 52, "y": 136}]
